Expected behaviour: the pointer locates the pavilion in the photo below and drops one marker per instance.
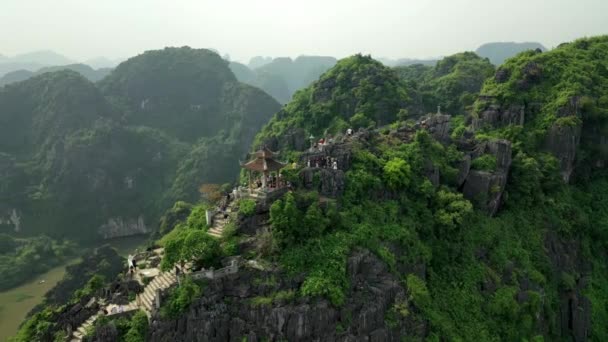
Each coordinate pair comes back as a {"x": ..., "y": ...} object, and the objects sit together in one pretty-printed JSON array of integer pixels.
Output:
[{"x": 265, "y": 164}]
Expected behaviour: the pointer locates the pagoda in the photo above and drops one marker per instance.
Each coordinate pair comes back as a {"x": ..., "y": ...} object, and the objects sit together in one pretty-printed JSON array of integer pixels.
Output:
[{"x": 264, "y": 163}]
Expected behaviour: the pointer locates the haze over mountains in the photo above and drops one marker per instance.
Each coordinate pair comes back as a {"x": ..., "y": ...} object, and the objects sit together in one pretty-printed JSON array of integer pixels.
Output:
[{"x": 484, "y": 219}]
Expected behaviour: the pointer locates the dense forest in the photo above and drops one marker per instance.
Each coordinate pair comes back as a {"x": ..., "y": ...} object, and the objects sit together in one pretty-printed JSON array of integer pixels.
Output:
[{"x": 484, "y": 220}]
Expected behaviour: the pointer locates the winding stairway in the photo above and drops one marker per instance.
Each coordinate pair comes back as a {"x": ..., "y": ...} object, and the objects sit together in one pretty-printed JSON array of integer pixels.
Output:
[
  {"x": 219, "y": 222},
  {"x": 143, "y": 301}
]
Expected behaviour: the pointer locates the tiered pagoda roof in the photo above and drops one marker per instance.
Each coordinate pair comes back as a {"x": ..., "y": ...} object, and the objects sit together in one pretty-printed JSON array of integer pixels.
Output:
[{"x": 263, "y": 161}]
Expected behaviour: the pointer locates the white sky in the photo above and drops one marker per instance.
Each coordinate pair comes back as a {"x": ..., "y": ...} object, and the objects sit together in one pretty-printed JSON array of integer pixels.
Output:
[{"x": 83, "y": 29}]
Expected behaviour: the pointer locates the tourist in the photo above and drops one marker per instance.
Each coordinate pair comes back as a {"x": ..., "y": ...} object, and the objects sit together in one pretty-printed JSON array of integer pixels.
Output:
[
  {"x": 335, "y": 165},
  {"x": 308, "y": 163},
  {"x": 349, "y": 132}
]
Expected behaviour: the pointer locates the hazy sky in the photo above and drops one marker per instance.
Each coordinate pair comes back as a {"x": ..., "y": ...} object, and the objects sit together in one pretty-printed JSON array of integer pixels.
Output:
[{"x": 83, "y": 29}]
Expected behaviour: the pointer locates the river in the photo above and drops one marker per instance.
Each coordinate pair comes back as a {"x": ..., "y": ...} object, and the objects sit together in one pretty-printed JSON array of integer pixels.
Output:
[{"x": 17, "y": 302}]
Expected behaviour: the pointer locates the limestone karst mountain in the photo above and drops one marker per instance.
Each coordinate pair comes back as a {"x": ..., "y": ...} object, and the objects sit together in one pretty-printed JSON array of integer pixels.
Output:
[{"x": 85, "y": 161}]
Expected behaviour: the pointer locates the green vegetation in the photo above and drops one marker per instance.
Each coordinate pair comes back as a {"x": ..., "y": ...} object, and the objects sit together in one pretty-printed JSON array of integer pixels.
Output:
[
  {"x": 73, "y": 153},
  {"x": 470, "y": 276},
  {"x": 181, "y": 297},
  {"x": 487, "y": 278},
  {"x": 81, "y": 282},
  {"x": 453, "y": 83},
  {"x": 23, "y": 259},
  {"x": 276, "y": 297},
  {"x": 282, "y": 77},
  {"x": 247, "y": 207},
  {"x": 356, "y": 91},
  {"x": 133, "y": 329},
  {"x": 486, "y": 162}
]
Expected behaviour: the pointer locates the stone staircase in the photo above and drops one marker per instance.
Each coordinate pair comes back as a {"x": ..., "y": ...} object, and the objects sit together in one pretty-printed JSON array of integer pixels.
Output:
[
  {"x": 160, "y": 282},
  {"x": 219, "y": 222},
  {"x": 143, "y": 301}
]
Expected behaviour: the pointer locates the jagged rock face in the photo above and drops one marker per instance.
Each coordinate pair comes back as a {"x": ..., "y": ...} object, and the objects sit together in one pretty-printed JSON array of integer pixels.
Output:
[
  {"x": 225, "y": 313},
  {"x": 12, "y": 219},
  {"x": 486, "y": 188},
  {"x": 438, "y": 125},
  {"x": 329, "y": 182},
  {"x": 119, "y": 227},
  {"x": 532, "y": 73},
  {"x": 496, "y": 116},
  {"x": 295, "y": 139},
  {"x": 566, "y": 257},
  {"x": 463, "y": 170},
  {"x": 562, "y": 142}
]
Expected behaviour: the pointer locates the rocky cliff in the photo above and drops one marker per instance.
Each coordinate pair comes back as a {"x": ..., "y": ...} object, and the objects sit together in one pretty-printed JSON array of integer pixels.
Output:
[{"x": 230, "y": 311}]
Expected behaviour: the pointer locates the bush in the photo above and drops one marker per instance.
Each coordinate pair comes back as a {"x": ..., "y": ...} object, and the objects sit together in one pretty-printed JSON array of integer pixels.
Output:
[
  {"x": 397, "y": 173},
  {"x": 247, "y": 207},
  {"x": 487, "y": 162},
  {"x": 139, "y": 328},
  {"x": 180, "y": 298}
]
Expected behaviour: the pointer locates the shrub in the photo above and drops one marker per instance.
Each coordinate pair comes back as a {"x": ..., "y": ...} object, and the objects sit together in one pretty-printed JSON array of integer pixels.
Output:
[
  {"x": 139, "y": 328},
  {"x": 397, "y": 173},
  {"x": 487, "y": 162},
  {"x": 247, "y": 207},
  {"x": 180, "y": 298}
]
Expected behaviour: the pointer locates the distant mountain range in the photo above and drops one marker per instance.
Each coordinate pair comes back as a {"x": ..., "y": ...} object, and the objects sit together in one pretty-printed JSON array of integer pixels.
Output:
[
  {"x": 498, "y": 52},
  {"x": 89, "y": 73},
  {"x": 34, "y": 61},
  {"x": 282, "y": 76}
]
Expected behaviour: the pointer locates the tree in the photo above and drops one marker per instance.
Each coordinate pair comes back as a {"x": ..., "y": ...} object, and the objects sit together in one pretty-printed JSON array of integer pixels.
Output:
[
  {"x": 210, "y": 193},
  {"x": 452, "y": 210},
  {"x": 359, "y": 120},
  {"x": 397, "y": 173},
  {"x": 199, "y": 245},
  {"x": 286, "y": 220},
  {"x": 315, "y": 223}
]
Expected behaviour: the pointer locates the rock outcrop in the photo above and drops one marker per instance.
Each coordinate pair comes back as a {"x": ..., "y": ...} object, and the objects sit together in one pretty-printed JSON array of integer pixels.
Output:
[
  {"x": 119, "y": 227},
  {"x": 438, "y": 125},
  {"x": 226, "y": 311},
  {"x": 485, "y": 188},
  {"x": 568, "y": 261},
  {"x": 321, "y": 175},
  {"x": 496, "y": 116}
]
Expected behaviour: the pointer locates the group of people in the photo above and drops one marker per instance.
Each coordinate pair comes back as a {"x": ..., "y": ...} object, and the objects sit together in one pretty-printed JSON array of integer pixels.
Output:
[
  {"x": 321, "y": 143},
  {"x": 272, "y": 181},
  {"x": 326, "y": 162}
]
